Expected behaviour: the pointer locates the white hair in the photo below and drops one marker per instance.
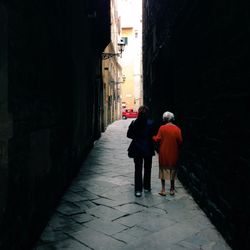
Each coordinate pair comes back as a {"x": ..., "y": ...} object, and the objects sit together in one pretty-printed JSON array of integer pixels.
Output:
[{"x": 168, "y": 116}]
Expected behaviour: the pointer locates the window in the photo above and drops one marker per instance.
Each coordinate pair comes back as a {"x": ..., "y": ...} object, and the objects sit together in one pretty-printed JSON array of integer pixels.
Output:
[{"x": 125, "y": 40}]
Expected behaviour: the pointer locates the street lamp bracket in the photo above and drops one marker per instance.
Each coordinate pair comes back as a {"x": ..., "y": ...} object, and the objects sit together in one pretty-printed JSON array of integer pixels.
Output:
[{"x": 121, "y": 46}]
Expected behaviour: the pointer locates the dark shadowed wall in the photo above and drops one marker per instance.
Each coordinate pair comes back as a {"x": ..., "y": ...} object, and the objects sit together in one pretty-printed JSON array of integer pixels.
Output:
[
  {"x": 196, "y": 57},
  {"x": 50, "y": 98}
]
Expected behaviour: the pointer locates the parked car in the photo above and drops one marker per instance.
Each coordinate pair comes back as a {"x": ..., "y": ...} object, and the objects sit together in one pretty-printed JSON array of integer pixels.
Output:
[{"x": 129, "y": 113}]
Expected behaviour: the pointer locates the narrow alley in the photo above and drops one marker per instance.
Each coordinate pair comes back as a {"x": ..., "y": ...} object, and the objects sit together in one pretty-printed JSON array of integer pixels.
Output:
[
  {"x": 68, "y": 72},
  {"x": 100, "y": 211}
]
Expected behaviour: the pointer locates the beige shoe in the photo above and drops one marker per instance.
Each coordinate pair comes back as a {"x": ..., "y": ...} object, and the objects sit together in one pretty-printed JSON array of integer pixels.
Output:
[{"x": 162, "y": 193}]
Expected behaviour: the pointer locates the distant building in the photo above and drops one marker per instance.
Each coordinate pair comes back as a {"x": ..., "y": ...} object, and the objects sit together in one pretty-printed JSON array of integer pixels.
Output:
[{"x": 131, "y": 61}]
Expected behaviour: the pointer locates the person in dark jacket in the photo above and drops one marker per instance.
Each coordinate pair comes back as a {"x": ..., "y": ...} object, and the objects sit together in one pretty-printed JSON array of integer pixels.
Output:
[{"x": 141, "y": 149}]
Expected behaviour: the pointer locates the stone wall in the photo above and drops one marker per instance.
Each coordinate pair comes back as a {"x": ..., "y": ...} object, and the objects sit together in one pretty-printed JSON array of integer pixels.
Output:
[
  {"x": 52, "y": 92},
  {"x": 5, "y": 121},
  {"x": 195, "y": 64}
]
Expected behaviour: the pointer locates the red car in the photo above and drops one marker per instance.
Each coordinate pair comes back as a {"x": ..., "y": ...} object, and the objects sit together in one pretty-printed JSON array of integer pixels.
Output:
[{"x": 129, "y": 113}]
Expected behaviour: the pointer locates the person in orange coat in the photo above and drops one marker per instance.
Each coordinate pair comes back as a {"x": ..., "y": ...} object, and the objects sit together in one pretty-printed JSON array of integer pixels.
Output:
[{"x": 169, "y": 137}]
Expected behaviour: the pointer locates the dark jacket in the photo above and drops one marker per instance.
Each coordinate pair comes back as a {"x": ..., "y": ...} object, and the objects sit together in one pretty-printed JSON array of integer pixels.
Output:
[{"x": 141, "y": 133}]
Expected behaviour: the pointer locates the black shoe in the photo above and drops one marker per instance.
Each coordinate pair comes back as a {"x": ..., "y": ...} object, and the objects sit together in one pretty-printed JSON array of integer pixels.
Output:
[
  {"x": 147, "y": 190},
  {"x": 138, "y": 194}
]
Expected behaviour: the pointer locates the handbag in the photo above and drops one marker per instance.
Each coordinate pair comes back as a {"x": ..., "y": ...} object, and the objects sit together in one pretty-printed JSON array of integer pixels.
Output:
[
  {"x": 132, "y": 149},
  {"x": 139, "y": 148}
]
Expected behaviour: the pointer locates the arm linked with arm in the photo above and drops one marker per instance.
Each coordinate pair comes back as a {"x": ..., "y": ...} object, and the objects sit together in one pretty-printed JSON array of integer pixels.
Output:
[{"x": 157, "y": 138}]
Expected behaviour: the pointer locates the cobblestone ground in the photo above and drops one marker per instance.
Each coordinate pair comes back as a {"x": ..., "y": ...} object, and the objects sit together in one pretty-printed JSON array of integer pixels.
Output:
[{"x": 100, "y": 211}]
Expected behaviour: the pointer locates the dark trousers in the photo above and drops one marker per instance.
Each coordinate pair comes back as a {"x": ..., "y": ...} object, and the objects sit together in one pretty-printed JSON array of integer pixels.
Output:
[{"x": 146, "y": 181}]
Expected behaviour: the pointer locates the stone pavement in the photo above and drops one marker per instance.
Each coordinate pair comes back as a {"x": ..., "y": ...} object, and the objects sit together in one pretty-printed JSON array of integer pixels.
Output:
[{"x": 100, "y": 211}]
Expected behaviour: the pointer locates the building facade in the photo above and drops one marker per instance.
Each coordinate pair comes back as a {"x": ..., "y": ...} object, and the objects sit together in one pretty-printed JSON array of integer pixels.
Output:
[
  {"x": 194, "y": 65},
  {"x": 112, "y": 71},
  {"x": 50, "y": 102}
]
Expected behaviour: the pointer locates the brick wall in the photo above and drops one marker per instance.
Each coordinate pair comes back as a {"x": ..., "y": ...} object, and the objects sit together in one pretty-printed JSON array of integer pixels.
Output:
[{"x": 195, "y": 64}]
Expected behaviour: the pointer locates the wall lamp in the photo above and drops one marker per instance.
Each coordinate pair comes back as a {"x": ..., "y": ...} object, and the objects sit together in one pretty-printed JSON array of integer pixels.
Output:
[{"x": 121, "y": 46}]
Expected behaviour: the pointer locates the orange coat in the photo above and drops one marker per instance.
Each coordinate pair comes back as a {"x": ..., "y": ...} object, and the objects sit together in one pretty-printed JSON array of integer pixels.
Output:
[{"x": 170, "y": 138}]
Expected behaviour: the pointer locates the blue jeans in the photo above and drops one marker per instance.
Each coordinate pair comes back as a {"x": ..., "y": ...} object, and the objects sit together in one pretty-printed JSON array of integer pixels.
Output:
[{"x": 139, "y": 181}]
